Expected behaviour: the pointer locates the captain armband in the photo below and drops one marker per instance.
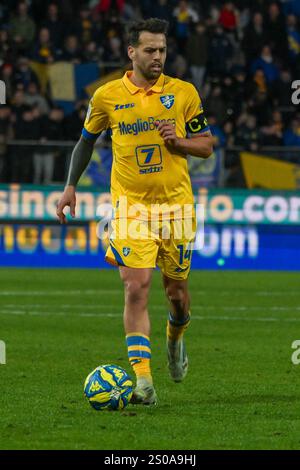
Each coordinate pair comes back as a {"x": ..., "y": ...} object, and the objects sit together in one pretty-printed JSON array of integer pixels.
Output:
[{"x": 197, "y": 125}]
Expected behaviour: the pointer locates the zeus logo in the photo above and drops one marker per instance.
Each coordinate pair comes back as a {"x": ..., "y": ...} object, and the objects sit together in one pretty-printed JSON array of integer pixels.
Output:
[{"x": 124, "y": 106}]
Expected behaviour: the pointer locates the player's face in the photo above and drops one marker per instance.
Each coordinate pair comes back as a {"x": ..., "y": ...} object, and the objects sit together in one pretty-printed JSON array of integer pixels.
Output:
[{"x": 150, "y": 55}]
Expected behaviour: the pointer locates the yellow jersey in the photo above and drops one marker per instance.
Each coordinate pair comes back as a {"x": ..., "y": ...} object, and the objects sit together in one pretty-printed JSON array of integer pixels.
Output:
[{"x": 144, "y": 169}]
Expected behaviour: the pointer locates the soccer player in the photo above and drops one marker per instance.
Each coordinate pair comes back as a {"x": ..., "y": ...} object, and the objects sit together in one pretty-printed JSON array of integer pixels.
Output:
[{"x": 156, "y": 121}]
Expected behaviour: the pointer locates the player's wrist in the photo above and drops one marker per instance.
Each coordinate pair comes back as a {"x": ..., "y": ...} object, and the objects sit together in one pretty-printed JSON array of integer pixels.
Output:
[
  {"x": 70, "y": 186},
  {"x": 180, "y": 144}
]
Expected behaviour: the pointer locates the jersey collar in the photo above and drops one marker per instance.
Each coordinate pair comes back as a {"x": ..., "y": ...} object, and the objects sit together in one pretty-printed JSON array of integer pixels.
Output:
[{"x": 157, "y": 87}]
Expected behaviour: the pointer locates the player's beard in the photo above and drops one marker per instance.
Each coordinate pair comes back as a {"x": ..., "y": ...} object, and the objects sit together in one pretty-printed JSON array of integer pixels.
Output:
[{"x": 151, "y": 73}]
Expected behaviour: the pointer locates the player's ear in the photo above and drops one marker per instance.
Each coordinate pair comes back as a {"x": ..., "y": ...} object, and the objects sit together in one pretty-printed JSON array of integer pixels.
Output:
[{"x": 131, "y": 52}]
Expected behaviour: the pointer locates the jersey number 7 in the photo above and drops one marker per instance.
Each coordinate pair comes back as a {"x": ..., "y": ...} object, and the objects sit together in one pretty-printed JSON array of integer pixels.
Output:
[{"x": 148, "y": 155}]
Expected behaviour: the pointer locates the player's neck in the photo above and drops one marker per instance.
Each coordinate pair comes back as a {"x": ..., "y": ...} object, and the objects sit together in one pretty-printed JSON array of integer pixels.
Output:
[{"x": 140, "y": 81}]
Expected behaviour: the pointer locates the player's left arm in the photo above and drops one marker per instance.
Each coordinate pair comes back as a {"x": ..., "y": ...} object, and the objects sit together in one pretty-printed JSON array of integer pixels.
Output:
[
  {"x": 198, "y": 145},
  {"x": 198, "y": 140}
]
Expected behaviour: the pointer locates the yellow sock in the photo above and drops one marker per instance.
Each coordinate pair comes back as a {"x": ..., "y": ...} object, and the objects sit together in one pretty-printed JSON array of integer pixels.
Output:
[
  {"x": 176, "y": 328},
  {"x": 139, "y": 354}
]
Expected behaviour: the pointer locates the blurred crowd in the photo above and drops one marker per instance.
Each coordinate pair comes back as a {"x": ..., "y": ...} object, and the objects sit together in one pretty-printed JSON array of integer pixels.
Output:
[{"x": 242, "y": 56}]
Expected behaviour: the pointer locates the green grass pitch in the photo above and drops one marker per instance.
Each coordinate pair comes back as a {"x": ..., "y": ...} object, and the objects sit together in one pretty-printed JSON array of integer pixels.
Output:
[{"x": 242, "y": 390}]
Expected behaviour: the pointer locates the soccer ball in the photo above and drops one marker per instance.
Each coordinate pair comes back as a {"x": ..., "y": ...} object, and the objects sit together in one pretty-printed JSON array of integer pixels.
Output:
[{"x": 108, "y": 387}]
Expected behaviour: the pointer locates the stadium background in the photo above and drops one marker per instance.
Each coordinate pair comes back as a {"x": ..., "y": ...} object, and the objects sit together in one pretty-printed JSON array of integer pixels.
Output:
[
  {"x": 243, "y": 57},
  {"x": 242, "y": 390}
]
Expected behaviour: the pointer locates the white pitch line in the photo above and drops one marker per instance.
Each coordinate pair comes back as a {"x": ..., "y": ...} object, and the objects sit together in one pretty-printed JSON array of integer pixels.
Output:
[
  {"x": 248, "y": 319},
  {"x": 59, "y": 292},
  {"x": 244, "y": 308},
  {"x": 54, "y": 313},
  {"x": 66, "y": 292},
  {"x": 13, "y": 312},
  {"x": 64, "y": 306},
  {"x": 195, "y": 308},
  {"x": 277, "y": 293},
  {"x": 110, "y": 315},
  {"x": 118, "y": 315}
]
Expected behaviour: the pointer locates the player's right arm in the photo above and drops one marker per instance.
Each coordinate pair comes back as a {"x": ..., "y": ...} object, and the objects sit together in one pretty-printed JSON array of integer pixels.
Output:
[
  {"x": 80, "y": 158},
  {"x": 96, "y": 121}
]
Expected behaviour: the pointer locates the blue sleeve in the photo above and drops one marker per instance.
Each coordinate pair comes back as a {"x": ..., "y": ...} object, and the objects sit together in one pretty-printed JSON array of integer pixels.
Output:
[{"x": 89, "y": 135}]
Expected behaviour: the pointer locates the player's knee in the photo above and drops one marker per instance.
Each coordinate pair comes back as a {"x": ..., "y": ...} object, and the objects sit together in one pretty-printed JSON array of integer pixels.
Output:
[{"x": 136, "y": 290}]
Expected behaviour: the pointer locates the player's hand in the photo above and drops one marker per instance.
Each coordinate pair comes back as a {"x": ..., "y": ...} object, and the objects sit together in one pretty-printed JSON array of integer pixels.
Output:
[
  {"x": 68, "y": 198},
  {"x": 168, "y": 133}
]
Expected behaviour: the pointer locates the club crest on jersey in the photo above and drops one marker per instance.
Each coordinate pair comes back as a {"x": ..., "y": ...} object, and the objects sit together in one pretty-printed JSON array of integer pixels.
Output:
[
  {"x": 126, "y": 251},
  {"x": 167, "y": 101}
]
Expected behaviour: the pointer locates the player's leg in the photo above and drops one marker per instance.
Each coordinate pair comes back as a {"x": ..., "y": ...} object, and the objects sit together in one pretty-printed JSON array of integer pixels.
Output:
[
  {"x": 179, "y": 319},
  {"x": 135, "y": 256},
  {"x": 136, "y": 288},
  {"x": 178, "y": 296},
  {"x": 175, "y": 262},
  {"x": 137, "y": 283}
]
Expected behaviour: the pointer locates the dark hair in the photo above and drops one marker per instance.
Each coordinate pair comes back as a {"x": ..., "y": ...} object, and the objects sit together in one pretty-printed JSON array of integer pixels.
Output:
[{"x": 152, "y": 25}]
